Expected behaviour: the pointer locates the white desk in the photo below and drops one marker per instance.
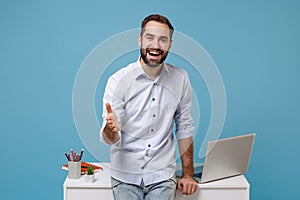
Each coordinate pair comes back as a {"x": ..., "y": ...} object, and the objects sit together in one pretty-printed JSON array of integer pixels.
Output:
[{"x": 235, "y": 188}]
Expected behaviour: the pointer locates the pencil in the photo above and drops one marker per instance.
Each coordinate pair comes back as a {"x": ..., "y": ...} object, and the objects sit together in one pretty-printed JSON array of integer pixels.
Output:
[
  {"x": 81, "y": 154},
  {"x": 67, "y": 156}
]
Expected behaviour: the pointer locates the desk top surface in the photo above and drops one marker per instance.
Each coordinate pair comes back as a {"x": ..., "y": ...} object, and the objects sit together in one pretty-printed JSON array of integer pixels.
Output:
[{"x": 102, "y": 180}]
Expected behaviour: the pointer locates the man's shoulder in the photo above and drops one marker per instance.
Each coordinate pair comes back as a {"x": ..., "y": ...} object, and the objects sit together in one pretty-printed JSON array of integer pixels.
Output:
[
  {"x": 125, "y": 70},
  {"x": 176, "y": 71}
]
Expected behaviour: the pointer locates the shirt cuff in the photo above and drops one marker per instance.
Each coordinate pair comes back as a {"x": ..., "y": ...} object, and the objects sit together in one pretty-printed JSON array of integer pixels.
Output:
[{"x": 183, "y": 134}]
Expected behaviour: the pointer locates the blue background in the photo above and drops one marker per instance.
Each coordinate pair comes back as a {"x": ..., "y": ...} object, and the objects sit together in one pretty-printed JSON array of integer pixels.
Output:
[{"x": 43, "y": 43}]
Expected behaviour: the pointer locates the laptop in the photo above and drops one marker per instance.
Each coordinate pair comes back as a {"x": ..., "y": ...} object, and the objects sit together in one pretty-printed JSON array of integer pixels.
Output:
[{"x": 225, "y": 158}]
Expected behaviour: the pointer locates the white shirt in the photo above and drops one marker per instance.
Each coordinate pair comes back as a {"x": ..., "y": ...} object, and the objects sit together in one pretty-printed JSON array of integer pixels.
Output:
[{"x": 146, "y": 110}]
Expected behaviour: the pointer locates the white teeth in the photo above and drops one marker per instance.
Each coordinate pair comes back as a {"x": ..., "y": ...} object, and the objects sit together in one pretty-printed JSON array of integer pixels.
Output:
[{"x": 154, "y": 53}]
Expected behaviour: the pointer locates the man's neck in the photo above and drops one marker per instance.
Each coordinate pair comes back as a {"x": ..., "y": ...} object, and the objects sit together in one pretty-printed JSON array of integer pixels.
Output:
[{"x": 151, "y": 71}]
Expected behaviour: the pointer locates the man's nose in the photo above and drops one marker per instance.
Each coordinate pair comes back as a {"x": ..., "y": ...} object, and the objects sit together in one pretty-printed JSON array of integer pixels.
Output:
[{"x": 155, "y": 44}]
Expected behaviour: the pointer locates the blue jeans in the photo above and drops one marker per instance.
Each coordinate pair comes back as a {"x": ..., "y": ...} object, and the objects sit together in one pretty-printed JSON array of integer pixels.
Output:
[{"x": 164, "y": 190}]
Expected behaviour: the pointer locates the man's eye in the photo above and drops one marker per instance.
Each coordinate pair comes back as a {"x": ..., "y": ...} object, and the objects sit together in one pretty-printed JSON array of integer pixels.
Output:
[{"x": 149, "y": 38}]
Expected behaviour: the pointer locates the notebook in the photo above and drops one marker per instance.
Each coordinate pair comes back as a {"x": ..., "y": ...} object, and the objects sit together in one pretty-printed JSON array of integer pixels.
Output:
[{"x": 225, "y": 158}]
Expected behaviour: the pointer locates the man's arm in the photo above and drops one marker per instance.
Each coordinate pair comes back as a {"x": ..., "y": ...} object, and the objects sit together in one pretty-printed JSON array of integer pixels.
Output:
[
  {"x": 111, "y": 129},
  {"x": 187, "y": 184}
]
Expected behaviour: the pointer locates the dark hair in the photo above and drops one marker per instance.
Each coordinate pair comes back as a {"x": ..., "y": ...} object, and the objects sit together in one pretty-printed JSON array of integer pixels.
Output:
[{"x": 157, "y": 18}]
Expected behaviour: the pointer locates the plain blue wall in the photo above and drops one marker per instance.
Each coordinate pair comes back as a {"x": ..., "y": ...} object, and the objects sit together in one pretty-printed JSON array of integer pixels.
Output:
[{"x": 43, "y": 43}]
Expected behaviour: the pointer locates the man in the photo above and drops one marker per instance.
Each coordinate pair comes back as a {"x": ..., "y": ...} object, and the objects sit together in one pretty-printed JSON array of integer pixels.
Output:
[{"x": 141, "y": 104}]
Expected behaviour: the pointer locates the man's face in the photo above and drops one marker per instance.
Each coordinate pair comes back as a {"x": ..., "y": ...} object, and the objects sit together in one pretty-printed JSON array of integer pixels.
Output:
[{"x": 155, "y": 43}]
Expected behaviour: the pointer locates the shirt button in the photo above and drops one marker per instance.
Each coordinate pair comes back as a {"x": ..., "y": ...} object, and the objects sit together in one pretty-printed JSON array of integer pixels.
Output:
[
  {"x": 154, "y": 115},
  {"x": 152, "y": 130},
  {"x": 146, "y": 154},
  {"x": 149, "y": 145},
  {"x": 153, "y": 99},
  {"x": 142, "y": 167}
]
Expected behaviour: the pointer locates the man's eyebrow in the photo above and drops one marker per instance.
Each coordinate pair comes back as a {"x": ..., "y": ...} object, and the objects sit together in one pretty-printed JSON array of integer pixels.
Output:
[
  {"x": 149, "y": 34},
  {"x": 161, "y": 37}
]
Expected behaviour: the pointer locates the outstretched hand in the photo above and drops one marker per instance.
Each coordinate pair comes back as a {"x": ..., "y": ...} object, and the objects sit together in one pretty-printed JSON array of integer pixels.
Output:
[
  {"x": 111, "y": 119},
  {"x": 110, "y": 131}
]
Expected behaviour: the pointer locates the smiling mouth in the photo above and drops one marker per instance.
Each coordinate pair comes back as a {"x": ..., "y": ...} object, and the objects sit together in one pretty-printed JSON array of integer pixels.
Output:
[
  {"x": 155, "y": 53},
  {"x": 152, "y": 53}
]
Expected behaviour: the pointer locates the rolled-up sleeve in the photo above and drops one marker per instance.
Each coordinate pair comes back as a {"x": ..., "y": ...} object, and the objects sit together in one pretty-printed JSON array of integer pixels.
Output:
[
  {"x": 183, "y": 118},
  {"x": 111, "y": 96}
]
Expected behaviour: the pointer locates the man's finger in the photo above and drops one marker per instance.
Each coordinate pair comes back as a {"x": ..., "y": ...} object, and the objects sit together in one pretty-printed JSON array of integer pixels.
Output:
[
  {"x": 179, "y": 186},
  {"x": 195, "y": 188},
  {"x": 192, "y": 188},
  {"x": 108, "y": 108}
]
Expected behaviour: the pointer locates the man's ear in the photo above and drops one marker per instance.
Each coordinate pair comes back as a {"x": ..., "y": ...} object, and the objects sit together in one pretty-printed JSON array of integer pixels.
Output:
[
  {"x": 140, "y": 40},
  {"x": 171, "y": 42}
]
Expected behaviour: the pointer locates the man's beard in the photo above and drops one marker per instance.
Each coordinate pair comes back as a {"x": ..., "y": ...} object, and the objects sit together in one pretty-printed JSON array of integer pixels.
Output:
[{"x": 150, "y": 63}]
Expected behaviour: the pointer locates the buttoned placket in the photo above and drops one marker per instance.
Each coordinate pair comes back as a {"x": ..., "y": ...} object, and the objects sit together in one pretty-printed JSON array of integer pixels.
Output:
[{"x": 153, "y": 117}]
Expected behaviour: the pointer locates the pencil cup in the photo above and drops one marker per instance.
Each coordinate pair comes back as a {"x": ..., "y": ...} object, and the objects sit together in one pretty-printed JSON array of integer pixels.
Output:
[{"x": 74, "y": 170}]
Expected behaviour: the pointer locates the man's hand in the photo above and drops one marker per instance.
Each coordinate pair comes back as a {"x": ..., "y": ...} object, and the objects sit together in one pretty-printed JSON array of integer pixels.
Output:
[
  {"x": 111, "y": 129},
  {"x": 187, "y": 185},
  {"x": 111, "y": 119}
]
